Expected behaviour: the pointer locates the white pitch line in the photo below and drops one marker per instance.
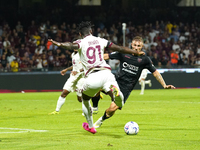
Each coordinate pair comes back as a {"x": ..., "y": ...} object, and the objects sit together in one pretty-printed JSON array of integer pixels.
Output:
[
  {"x": 21, "y": 130},
  {"x": 167, "y": 102},
  {"x": 130, "y": 101}
]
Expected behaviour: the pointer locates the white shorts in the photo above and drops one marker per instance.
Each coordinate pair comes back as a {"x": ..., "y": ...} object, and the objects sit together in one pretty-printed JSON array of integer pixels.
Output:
[
  {"x": 75, "y": 83},
  {"x": 143, "y": 74},
  {"x": 96, "y": 81}
]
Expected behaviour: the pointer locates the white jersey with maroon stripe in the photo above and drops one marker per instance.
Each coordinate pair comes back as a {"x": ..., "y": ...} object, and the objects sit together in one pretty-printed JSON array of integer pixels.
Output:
[
  {"x": 76, "y": 62},
  {"x": 91, "y": 50},
  {"x": 75, "y": 82}
]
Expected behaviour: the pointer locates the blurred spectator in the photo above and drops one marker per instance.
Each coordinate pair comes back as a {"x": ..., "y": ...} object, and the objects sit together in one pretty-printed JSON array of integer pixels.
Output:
[
  {"x": 155, "y": 60},
  {"x": 12, "y": 42},
  {"x": 152, "y": 34},
  {"x": 146, "y": 45},
  {"x": 27, "y": 53},
  {"x": 184, "y": 60},
  {"x": 57, "y": 63},
  {"x": 22, "y": 35},
  {"x": 6, "y": 43},
  {"x": 174, "y": 37},
  {"x": 174, "y": 58},
  {"x": 42, "y": 29},
  {"x": 180, "y": 57},
  {"x": 68, "y": 57},
  {"x": 32, "y": 28},
  {"x": 14, "y": 66},
  {"x": 176, "y": 47},
  {"x": 1, "y": 45},
  {"x": 57, "y": 52},
  {"x": 17, "y": 39},
  {"x": 197, "y": 62},
  {"x": 10, "y": 58},
  {"x": 18, "y": 26},
  {"x": 39, "y": 63},
  {"x": 24, "y": 63},
  {"x": 182, "y": 38},
  {"x": 44, "y": 61},
  {"x": 37, "y": 38},
  {"x": 54, "y": 31},
  {"x": 32, "y": 45},
  {"x": 186, "y": 51},
  {"x": 48, "y": 29},
  {"x": 17, "y": 56},
  {"x": 191, "y": 58},
  {"x": 164, "y": 59},
  {"x": 63, "y": 61},
  {"x": 169, "y": 27},
  {"x": 50, "y": 59},
  {"x": 22, "y": 50},
  {"x": 4, "y": 62},
  {"x": 39, "y": 50},
  {"x": 198, "y": 50}
]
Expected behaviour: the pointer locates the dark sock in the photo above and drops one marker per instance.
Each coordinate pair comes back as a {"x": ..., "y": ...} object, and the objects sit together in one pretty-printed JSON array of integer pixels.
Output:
[
  {"x": 104, "y": 116},
  {"x": 95, "y": 101}
]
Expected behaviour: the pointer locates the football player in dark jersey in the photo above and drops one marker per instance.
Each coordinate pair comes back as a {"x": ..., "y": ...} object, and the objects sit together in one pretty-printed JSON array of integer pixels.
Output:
[{"x": 129, "y": 72}]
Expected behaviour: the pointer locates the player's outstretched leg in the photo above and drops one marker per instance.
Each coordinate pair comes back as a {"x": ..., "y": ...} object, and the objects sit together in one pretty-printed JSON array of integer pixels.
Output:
[
  {"x": 60, "y": 102},
  {"x": 118, "y": 102},
  {"x": 142, "y": 82},
  {"x": 95, "y": 101},
  {"x": 148, "y": 82},
  {"x": 118, "y": 96}
]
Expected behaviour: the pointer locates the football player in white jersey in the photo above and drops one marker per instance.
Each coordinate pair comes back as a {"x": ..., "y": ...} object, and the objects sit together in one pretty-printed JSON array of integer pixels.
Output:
[
  {"x": 97, "y": 72},
  {"x": 74, "y": 82},
  {"x": 142, "y": 80}
]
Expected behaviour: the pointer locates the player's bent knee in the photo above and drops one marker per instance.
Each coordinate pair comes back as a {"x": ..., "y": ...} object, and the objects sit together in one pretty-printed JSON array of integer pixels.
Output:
[
  {"x": 79, "y": 98},
  {"x": 65, "y": 93}
]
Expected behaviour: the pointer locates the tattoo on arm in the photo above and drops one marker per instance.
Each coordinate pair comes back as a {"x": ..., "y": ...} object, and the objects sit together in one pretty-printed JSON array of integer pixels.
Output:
[
  {"x": 67, "y": 45},
  {"x": 160, "y": 79}
]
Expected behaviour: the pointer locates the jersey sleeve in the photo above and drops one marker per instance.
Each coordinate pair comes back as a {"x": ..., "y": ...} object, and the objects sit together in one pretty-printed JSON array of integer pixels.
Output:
[
  {"x": 149, "y": 65},
  {"x": 115, "y": 55},
  {"x": 79, "y": 43}
]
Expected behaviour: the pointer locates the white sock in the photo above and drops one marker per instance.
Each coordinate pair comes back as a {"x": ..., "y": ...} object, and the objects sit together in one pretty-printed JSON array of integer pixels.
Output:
[
  {"x": 147, "y": 82},
  {"x": 87, "y": 110},
  {"x": 142, "y": 86},
  {"x": 60, "y": 102}
]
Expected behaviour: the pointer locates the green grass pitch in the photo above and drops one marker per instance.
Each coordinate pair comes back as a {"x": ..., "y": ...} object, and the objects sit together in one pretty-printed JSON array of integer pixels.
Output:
[{"x": 168, "y": 120}]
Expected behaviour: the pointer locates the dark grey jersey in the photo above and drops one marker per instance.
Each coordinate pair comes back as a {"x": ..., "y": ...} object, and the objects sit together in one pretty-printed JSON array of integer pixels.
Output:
[{"x": 130, "y": 68}]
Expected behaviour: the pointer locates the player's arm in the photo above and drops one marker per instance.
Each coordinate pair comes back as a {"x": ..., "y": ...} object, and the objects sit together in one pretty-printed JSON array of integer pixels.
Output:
[
  {"x": 62, "y": 72},
  {"x": 66, "y": 45},
  {"x": 160, "y": 79},
  {"x": 75, "y": 72},
  {"x": 125, "y": 50}
]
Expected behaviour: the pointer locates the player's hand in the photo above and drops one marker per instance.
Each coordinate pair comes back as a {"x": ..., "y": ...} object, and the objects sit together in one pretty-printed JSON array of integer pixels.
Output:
[
  {"x": 74, "y": 72},
  {"x": 141, "y": 53},
  {"x": 63, "y": 72},
  {"x": 54, "y": 42},
  {"x": 169, "y": 87}
]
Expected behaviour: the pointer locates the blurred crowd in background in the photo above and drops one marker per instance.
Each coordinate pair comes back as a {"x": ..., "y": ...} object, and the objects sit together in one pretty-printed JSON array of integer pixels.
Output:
[{"x": 25, "y": 47}]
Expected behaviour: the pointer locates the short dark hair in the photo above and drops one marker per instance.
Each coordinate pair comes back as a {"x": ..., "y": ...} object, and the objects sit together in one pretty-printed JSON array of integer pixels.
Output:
[{"x": 84, "y": 27}]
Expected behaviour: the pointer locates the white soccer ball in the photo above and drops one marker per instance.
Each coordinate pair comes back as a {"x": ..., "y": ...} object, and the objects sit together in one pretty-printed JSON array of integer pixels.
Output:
[{"x": 131, "y": 127}]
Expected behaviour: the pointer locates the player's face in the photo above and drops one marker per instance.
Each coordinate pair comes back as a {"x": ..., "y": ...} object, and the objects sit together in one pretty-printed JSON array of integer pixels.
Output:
[{"x": 137, "y": 45}]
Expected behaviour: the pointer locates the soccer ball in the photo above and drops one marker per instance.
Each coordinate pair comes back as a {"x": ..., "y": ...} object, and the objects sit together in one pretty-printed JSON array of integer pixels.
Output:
[{"x": 131, "y": 127}]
